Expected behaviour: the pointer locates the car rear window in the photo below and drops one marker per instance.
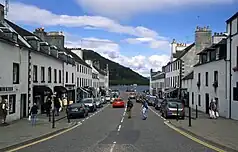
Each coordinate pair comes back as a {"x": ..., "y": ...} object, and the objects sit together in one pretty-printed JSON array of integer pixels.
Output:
[{"x": 174, "y": 105}]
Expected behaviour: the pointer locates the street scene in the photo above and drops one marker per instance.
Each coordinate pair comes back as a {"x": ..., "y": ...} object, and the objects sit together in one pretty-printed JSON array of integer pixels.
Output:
[{"x": 119, "y": 76}]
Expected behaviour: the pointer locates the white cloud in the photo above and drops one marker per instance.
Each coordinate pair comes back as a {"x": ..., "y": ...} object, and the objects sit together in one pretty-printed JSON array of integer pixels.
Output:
[
  {"x": 128, "y": 8},
  {"x": 111, "y": 50},
  {"x": 33, "y": 15},
  {"x": 160, "y": 44}
]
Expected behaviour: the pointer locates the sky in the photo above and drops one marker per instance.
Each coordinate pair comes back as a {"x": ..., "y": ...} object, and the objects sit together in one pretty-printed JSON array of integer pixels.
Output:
[{"x": 133, "y": 33}]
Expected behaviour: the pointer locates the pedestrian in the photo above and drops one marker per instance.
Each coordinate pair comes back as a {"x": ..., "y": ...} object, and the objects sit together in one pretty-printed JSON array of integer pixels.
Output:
[
  {"x": 4, "y": 110},
  {"x": 33, "y": 114},
  {"x": 129, "y": 107},
  {"x": 57, "y": 105},
  {"x": 48, "y": 106},
  {"x": 144, "y": 110}
]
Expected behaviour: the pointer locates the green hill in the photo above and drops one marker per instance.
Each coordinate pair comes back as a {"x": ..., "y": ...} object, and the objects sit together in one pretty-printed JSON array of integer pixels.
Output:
[{"x": 118, "y": 74}]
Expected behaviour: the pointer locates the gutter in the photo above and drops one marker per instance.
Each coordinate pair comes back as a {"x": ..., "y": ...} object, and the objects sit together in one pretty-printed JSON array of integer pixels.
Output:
[{"x": 230, "y": 73}]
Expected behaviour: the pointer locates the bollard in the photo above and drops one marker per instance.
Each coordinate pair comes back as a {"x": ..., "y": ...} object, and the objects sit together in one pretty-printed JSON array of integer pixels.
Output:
[
  {"x": 53, "y": 118},
  {"x": 177, "y": 113},
  {"x": 189, "y": 117},
  {"x": 196, "y": 111}
]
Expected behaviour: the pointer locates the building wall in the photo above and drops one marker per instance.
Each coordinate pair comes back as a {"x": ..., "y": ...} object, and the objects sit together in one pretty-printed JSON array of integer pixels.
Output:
[
  {"x": 158, "y": 84},
  {"x": 234, "y": 75},
  {"x": 219, "y": 66},
  {"x": 11, "y": 54},
  {"x": 189, "y": 60},
  {"x": 71, "y": 69}
]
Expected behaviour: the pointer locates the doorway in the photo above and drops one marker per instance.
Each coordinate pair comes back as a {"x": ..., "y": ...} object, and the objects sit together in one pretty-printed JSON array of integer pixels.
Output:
[
  {"x": 23, "y": 108},
  {"x": 207, "y": 103}
]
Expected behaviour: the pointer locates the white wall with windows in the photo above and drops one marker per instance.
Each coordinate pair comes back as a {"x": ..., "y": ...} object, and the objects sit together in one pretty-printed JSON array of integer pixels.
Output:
[
  {"x": 207, "y": 74},
  {"x": 172, "y": 70},
  {"x": 14, "y": 79},
  {"x": 69, "y": 74},
  {"x": 232, "y": 69}
]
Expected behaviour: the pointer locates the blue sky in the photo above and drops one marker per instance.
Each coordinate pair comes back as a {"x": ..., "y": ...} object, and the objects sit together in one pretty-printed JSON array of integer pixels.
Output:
[{"x": 134, "y": 33}]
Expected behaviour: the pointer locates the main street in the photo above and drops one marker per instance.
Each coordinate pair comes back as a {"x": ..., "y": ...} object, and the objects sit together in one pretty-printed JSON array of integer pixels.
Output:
[{"x": 109, "y": 130}]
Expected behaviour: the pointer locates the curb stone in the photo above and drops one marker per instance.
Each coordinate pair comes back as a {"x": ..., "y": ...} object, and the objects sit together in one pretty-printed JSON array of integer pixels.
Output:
[
  {"x": 38, "y": 138},
  {"x": 224, "y": 147}
]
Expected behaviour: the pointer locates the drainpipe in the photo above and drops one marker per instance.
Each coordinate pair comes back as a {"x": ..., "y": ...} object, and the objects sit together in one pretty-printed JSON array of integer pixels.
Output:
[{"x": 230, "y": 73}]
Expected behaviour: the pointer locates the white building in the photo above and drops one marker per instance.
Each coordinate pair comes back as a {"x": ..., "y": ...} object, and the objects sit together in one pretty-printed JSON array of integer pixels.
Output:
[
  {"x": 209, "y": 81},
  {"x": 157, "y": 83},
  {"x": 232, "y": 66},
  {"x": 176, "y": 49},
  {"x": 13, "y": 76}
]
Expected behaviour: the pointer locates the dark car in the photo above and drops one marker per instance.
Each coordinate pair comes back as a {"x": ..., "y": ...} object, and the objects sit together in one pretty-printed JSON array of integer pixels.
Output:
[
  {"x": 90, "y": 103},
  {"x": 169, "y": 109},
  {"x": 98, "y": 102},
  {"x": 77, "y": 110},
  {"x": 158, "y": 104}
]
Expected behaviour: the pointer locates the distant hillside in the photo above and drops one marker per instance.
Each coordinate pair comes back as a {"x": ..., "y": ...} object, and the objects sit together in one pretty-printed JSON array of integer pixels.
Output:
[{"x": 118, "y": 74}]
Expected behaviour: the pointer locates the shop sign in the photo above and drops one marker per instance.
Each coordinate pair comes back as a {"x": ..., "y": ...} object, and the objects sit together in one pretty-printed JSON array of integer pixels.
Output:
[{"x": 6, "y": 89}]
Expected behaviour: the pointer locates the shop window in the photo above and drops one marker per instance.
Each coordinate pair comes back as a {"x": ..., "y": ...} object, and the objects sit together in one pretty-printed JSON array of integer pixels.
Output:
[
  {"x": 12, "y": 104},
  {"x": 16, "y": 73},
  {"x": 35, "y": 73},
  {"x": 42, "y": 74}
]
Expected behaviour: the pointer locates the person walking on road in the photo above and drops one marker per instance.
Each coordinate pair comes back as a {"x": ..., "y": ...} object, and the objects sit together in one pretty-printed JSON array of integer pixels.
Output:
[
  {"x": 33, "y": 114},
  {"x": 129, "y": 107},
  {"x": 144, "y": 110}
]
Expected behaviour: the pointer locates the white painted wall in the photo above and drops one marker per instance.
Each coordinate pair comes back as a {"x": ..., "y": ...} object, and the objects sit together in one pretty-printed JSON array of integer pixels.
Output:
[
  {"x": 234, "y": 75},
  {"x": 70, "y": 69},
  {"x": 219, "y": 66},
  {"x": 9, "y": 55}
]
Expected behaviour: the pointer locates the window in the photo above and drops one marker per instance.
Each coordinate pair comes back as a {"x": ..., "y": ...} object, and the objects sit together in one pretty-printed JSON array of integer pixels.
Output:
[
  {"x": 42, "y": 74},
  {"x": 16, "y": 73},
  {"x": 212, "y": 55},
  {"x": 67, "y": 77},
  {"x": 204, "y": 58},
  {"x": 12, "y": 104},
  {"x": 77, "y": 67},
  {"x": 80, "y": 82},
  {"x": 34, "y": 73},
  {"x": 72, "y": 77},
  {"x": 206, "y": 78},
  {"x": 77, "y": 82},
  {"x": 215, "y": 76},
  {"x": 199, "y": 77},
  {"x": 60, "y": 78},
  {"x": 55, "y": 75},
  {"x": 49, "y": 75},
  {"x": 80, "y": 69},
  {"x": 199, "y": 100},
  {"x": 192, "y": 98},
  {"x": 237, "y": 56}
]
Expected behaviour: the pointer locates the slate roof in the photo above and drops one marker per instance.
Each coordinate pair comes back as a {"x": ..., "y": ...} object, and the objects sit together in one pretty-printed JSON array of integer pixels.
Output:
[
  {"x": 213, "y": 46},
  {"x": 159, "y": 76},
  {"x": 189, "y": 76},
  {"x": 232, "y": 18},
  {"x": 177, "y": 54},
  {"x": 77, "y": 58}
]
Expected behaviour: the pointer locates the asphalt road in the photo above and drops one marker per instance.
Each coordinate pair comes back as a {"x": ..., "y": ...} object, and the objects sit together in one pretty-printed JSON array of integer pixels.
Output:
[{"x": 110, "y": 131}]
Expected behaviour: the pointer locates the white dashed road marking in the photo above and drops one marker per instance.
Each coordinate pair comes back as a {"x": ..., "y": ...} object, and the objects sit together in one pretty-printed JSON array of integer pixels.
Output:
[
  {"x": 122, "y": 119},
  {"x": 113, "y": 145},
  {"x": 119, "y": 128}
]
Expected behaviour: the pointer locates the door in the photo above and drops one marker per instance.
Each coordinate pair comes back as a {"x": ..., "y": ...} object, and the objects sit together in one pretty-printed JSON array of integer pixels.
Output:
[
  {"x": 23, "y": 108},
  {"x": 207, "y": 103}
]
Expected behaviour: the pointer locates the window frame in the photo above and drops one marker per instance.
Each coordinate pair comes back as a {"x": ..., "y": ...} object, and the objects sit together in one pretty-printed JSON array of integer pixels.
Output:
[
  {"x": 42, "y": 74},
  {"x": 35, "y": 73},
  {"x": 16, "y": 74}
]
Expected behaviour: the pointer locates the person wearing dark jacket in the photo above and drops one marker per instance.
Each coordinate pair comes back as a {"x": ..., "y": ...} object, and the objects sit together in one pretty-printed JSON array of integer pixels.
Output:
[
  {"x": 33, "y": 113},
  {"x": 129, "y": 107}
]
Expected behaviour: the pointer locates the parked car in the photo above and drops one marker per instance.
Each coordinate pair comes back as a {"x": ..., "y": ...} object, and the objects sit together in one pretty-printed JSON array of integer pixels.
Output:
[
  {"x": 118, "y": 102},
  {"x": 103, "y": 100},
  {"x": 158, "y": 104},
  {"x": 169, "y": 109},
  {"x": 98, "y": 102},
  {"x": 108, "y": 98},
  {"x": 151, "y": 100},
  {"x": 77, "y": 110},
  {"x": 90, "y": 103}
]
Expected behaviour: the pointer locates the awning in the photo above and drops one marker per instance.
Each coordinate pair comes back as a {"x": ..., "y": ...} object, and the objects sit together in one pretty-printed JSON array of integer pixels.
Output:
[
  {"x": 60, "y": 89},
  {"x": 42, "y": 89},
  {"x": 79, "y": 88},
  {"x": 170, "y": 90}
]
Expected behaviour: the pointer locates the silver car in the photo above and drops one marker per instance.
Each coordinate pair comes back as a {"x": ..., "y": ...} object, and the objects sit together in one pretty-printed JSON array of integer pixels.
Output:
[{"x": 90, "y": 103}]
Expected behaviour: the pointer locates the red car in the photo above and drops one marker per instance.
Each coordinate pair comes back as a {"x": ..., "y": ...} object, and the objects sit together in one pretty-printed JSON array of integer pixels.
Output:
[{"x": 118, "y": 102}]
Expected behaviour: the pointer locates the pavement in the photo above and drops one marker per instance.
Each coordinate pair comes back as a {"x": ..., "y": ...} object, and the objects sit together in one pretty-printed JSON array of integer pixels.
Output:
[
  {"x": 21, "y": 131},
  {"x": 109, "y": 130},
  {"x": 221, "y": 131}
]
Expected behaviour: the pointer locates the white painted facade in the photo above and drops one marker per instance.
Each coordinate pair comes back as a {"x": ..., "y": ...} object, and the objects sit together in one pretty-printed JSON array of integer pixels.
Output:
[
  {"x": 172, "y": 76},
  {"x": 13, "y": 54},
  {"x": 220, "y": 93},
  {"x": 232, "y": 75},
  {"x": 95, "y": 80}
]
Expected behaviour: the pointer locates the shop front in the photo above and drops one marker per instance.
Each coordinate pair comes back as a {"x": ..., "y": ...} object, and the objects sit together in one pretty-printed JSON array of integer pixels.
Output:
[
  {"x": 171, "y": 93},
  {"x": 70, "y": 93},
  {"x": 41, "y": 93}
]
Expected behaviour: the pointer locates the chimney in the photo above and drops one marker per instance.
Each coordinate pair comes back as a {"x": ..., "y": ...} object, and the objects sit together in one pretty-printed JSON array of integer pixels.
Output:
[
  {"x": 2, "y": 13},
  {"x": 203, "y": 38},
  {"x": 56, "y": 38},
  {"x": 40, "y": 32},
  {"x": 78, "y": 52}
]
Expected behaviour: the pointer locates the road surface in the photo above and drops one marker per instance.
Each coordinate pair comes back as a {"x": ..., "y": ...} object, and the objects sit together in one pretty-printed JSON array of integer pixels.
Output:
[{"x": 110, "y": 131}]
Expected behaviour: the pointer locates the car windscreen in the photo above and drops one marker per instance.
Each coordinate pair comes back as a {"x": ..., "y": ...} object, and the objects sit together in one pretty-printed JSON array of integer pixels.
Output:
[
  {"x": 174, "y": 105},
  {"x": 87, "y": 100}
]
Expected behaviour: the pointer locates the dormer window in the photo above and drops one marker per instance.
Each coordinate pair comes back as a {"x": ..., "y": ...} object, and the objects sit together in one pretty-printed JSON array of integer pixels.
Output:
[
  {"x": 54, "y": 51},
  {"x": 10, "y": 34},
  {"x": 33, "y": 41},
  {"x": 44, "y": 47},
  {"x": 212, "y": 55}
]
